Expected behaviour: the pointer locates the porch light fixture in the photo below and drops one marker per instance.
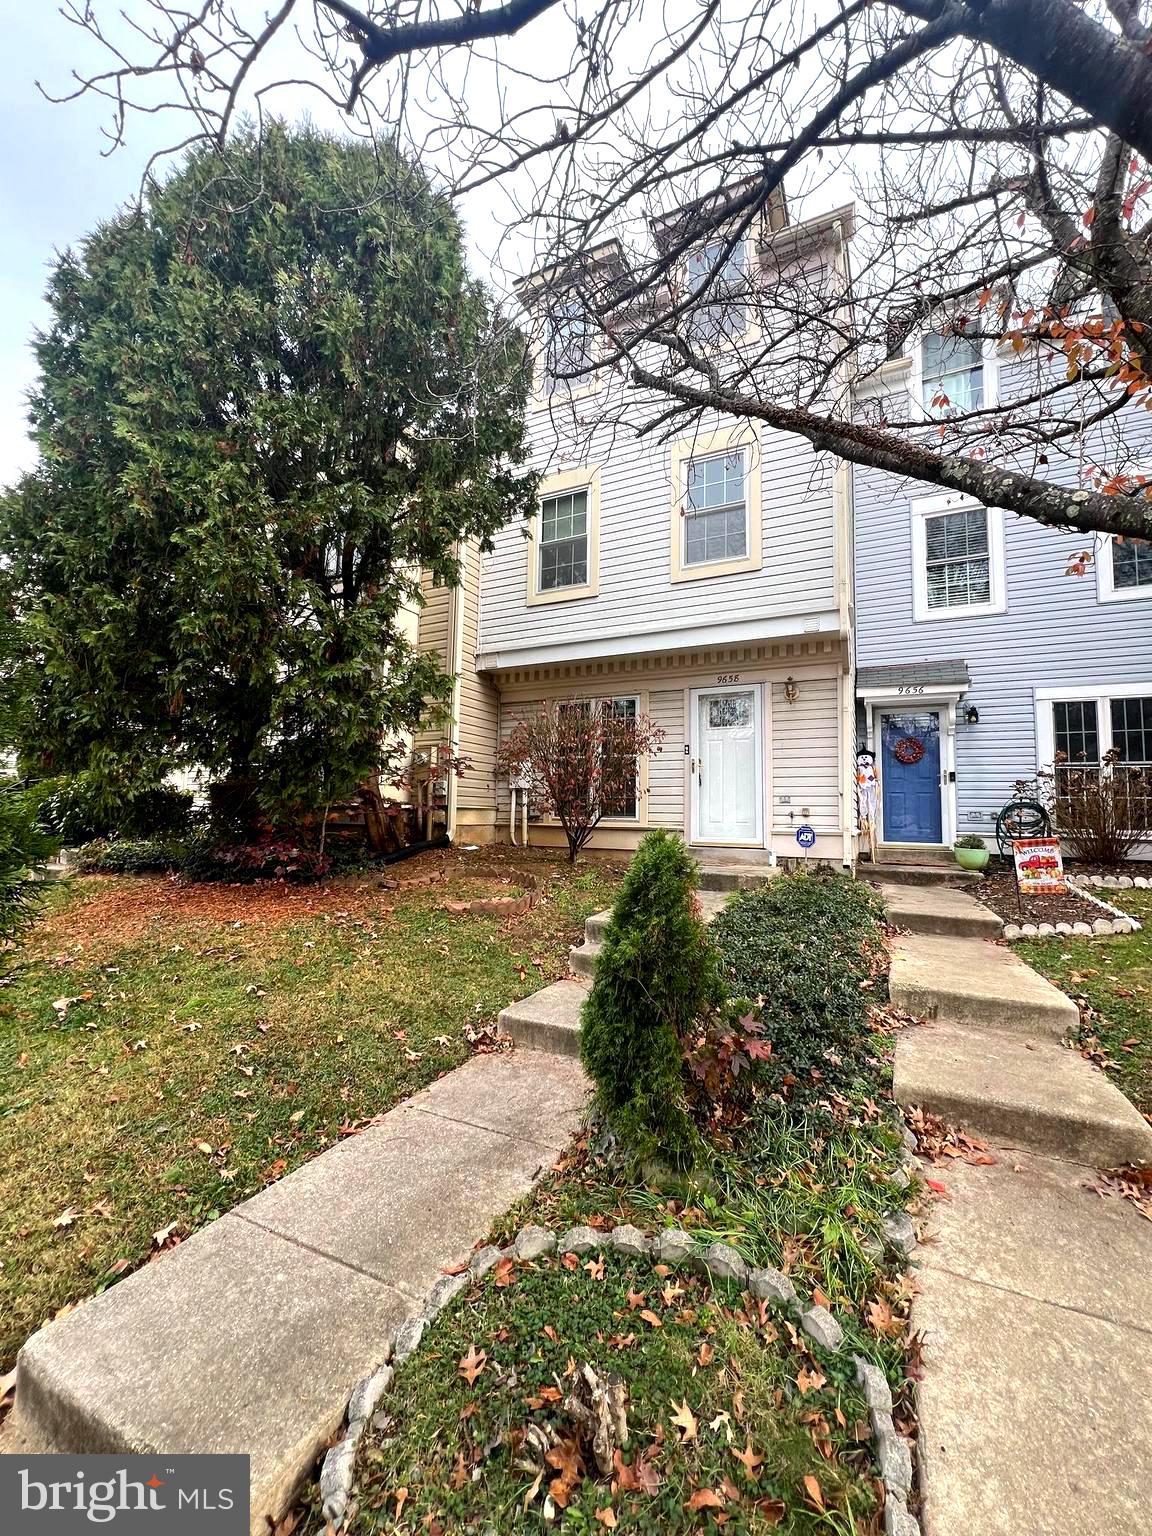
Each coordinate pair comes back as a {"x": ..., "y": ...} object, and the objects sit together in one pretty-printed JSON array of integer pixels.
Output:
[
  {"x": 791, "y": 690},
  {"x": 971, "y": 715}
]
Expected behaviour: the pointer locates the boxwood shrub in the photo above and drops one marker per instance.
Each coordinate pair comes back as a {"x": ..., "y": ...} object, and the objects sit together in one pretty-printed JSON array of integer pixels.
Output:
[{"x": 807, "y": 951}]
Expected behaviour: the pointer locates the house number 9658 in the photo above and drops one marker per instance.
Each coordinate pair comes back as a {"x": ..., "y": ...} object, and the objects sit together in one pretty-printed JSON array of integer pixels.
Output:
[{"x": 727, "y": 677}]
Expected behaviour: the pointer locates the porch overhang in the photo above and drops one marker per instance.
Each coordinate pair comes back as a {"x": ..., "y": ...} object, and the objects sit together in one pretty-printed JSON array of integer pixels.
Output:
[
  {"x": 942, "y": 681},
  {"x": 795, "y": 626}
]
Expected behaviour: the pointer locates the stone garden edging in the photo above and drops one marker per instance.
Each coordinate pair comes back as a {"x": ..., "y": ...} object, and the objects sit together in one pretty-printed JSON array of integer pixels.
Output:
[
  {"x": 1101, "y": 927},
  {"x": 672, "y": 1246}
]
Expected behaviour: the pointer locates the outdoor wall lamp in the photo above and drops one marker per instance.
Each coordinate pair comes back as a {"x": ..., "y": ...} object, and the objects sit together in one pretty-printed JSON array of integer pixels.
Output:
[
  {"x": 791, "y": 690},
  {"x": 971, "y": 715}
]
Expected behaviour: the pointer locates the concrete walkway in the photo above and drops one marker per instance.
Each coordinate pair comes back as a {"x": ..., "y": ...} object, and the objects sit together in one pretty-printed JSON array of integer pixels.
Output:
[
  {"x": 249, "y": 1336},
  {"x": 1033, "y": 1304}
]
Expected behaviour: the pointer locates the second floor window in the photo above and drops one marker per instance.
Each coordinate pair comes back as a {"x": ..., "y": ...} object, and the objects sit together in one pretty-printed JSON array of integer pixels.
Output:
[
  {"x": 716, "y": 512},
  {"x": 952, "y": 374},
  {"x": 1131, "y": 564},
  {"x": 564, "y": 541},
  {"x": 958, "y": 569}
]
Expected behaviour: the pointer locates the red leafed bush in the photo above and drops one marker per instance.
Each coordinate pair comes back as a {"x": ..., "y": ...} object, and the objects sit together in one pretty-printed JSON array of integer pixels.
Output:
[
  {"x": 242, "y": 863},
  {"x": 579, "y": 760}
]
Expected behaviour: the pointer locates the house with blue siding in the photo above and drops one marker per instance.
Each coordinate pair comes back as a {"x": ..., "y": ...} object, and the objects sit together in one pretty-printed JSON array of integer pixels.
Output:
[{"x": 979, "y": 658}]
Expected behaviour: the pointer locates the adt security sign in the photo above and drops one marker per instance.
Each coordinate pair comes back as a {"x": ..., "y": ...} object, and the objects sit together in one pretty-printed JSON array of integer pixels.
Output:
[{"x": 806, "y": 836}]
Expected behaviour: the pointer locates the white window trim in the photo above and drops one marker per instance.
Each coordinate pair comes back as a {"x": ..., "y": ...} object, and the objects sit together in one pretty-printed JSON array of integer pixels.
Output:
[
  {"x": 1106, "y": 589},
  {"x": 744, "y": 435},
  {"x": 582, "y": 479},
  {"x": 933, "y": 506},
  {"x": 1101, "y": 694},
  {"x": 751, "y": 331},
  {"x": 641, "y": 817},
  {"x": 916, "y": 392}
]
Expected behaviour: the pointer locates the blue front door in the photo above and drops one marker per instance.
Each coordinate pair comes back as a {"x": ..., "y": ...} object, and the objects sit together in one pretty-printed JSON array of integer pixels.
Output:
[{"x": 910, "y": 777}]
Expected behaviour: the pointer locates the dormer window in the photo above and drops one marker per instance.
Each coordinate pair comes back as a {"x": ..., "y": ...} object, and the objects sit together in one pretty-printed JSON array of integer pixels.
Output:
[
  {"x": 951, "y": 374},
  {"x": 568, "y": 348},
  {"x": 717, "y": 313}
]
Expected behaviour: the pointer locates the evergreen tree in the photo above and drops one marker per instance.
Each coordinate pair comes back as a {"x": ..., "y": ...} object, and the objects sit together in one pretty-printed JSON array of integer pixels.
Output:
[
  {"x": 656, "y": 975},
  {"x": 268, "y": 398}
]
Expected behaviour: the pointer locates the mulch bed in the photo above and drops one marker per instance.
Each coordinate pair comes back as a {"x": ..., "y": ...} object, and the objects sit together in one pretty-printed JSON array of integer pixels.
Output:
[{"x": 998, "y": 890}]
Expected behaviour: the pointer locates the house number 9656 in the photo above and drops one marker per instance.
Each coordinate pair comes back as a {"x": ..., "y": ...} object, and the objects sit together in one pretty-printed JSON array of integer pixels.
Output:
[{"x": 727, "y": 677}]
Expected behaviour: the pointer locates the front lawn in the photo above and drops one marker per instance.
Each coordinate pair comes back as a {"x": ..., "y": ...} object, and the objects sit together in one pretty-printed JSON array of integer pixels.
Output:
[
  {"x": 167, "y": 1050},
  {"x": 1111, "y": 979},
  {"x": 732, "y": 1415}
]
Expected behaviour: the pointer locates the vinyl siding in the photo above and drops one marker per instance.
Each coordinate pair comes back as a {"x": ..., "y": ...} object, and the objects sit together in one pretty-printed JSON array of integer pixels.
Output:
[
  {"x": 636, "y": 592},
  {"x": 806, "y": 756},
  {"x": 1055, "y": 632},
  {"x": 479, "y": 717},
  {"x": 433, "y": 638}
]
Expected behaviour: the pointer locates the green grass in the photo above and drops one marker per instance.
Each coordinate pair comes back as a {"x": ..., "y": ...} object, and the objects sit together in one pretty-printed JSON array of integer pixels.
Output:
[
  {"x": 1114, "y": 977},
  {"x": 748, "y": 1382},
  {"x": 212, "y": 1041}
]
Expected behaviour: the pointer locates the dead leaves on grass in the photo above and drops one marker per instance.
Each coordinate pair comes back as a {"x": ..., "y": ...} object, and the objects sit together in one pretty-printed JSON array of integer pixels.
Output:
[{"x": 471, "y": 1365}]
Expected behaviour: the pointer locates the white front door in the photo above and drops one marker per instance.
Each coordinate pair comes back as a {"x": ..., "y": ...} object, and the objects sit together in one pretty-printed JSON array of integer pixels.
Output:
[{"x": 727, "y": 766}]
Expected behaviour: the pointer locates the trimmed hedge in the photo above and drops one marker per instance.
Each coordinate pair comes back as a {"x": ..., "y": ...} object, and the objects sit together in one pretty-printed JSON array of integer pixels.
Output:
[{"x": 807, "y": 949}]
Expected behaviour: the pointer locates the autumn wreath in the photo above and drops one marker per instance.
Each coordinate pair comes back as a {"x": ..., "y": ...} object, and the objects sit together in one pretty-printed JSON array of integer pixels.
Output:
[{"x": 908, "y": 750}]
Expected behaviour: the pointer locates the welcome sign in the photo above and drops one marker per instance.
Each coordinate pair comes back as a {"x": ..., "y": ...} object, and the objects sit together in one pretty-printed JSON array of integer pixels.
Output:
[{"x": 1039, "y": 866}]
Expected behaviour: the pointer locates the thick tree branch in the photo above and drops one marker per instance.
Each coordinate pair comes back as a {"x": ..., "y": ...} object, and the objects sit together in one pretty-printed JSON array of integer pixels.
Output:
[{"x": 1055, "y": 505}]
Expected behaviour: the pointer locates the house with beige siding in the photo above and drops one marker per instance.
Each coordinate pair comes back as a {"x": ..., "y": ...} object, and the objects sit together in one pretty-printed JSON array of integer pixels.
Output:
[{"x": 702, "y": 579}]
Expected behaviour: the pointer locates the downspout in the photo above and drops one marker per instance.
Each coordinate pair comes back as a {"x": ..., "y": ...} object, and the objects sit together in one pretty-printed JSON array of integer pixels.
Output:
[
  {"x": 845, "y": 521},
  {"x": 456, "y": 645}
]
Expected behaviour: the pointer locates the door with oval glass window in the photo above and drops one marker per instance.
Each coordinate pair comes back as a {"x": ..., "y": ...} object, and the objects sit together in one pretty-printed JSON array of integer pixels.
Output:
[
  {"x": 727, "y": 767},
  {"x": 910, "y": 776}
]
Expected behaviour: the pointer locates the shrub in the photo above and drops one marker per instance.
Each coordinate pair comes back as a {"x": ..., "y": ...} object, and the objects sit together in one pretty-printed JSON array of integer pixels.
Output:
[
  {"x": 1100, "y": 812},
  {"x": 655, "y": 978},
  {"x": 24, "y": 843},
  {"x": 243, "y": 863},
  {"x": 807, "y": 949},
  {"x": 124, "y": 856},
  {"x": 78, "y": 812}
]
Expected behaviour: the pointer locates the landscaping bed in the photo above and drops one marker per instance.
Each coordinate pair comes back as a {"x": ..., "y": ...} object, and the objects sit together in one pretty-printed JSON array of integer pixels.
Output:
[
  {"x": 1111, "y": 981},
  {"x": 168, "y": 1049},
  {"x": 997, "y": 890}
]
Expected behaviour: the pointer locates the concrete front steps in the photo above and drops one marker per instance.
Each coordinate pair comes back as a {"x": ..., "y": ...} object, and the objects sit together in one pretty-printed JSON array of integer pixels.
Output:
[
  {"x": 549, "y": 1020},
  {"x": 991, "y": 1058},
  {"x": 938, "y": 909},
  {"x": 249, "y": 1336}
]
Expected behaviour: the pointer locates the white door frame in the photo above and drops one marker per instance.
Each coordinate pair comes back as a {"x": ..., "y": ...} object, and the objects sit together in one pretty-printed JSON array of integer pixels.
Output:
[
  {"x": 891, "y": 703},
  {"x": 694, "y": 697}
]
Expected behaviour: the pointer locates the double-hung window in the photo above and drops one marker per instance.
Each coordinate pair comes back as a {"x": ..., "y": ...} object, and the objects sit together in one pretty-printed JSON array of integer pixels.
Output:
[
  {"x": 958, "y": 558},
  {"x": 717, "y": 280},
  {"x": 623, "y": 805},
  {"x": 1124, "y": 570},
  {"x": 1082, "y": 733},
  {"x": 563, "y": 541},
  {"x": 951, "y": 374},
  {"x": 716, "y": 509},
  {"x": 568, "y": 349}
]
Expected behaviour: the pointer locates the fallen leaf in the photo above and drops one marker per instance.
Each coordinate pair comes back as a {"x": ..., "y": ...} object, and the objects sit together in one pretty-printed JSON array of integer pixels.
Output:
[
  {"x": 684, "y": 1420},
  {"x": 814, "y": 1491},
  {"x": 810, "y": 1380},
  {"x": 504, "y": 1273},
  {"x": 705, "y": 1354},
  {"x": 650, "y": 1317},
  {"x": 771, "y": 1511},
  {"x": 705, "y": 1498},
  {"x": 401, "y": 1497},
  {"x": 66, "y": 1218},
  {"x": 569, "y": 1464},
  {"x": 748, "y": 1457},
  {"x": 606, "y": 1517},
  {"x": 472, "y": 1364},
  {"x": 595, "y": 1268}
]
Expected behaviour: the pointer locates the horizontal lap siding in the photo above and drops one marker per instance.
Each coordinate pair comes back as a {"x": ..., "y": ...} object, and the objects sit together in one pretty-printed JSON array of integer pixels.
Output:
[
  {"x": 636, "y": 593},
  {"x": 666, "y": 768},
  {"x": 1054, "y": 632},
  {"x": 479, "y": 723},
  {"x": 805, "y": 756},
  {"x": 433, "y": 639}
]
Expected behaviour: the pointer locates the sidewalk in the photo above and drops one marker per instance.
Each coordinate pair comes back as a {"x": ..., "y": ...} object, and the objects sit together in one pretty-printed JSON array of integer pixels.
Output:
[
  {"x": 248, "y": 1336},
  {"x": 1034, "y": 1291}
]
